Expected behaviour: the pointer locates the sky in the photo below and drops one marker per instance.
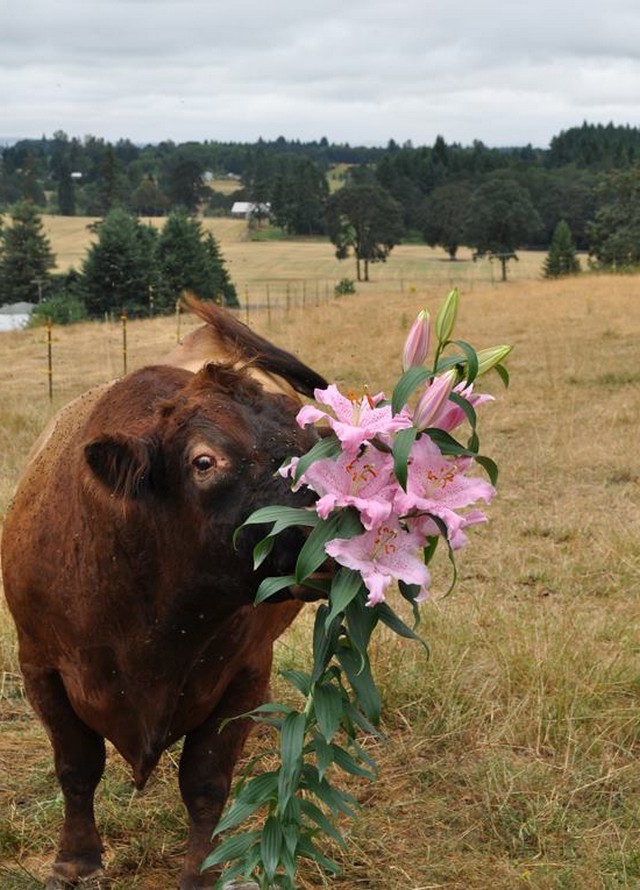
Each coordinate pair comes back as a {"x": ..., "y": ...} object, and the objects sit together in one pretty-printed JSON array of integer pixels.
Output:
[{"x": 506, "y": 72}]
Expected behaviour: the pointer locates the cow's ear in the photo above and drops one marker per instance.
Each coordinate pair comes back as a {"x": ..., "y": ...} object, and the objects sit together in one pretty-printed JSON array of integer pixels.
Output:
[{"x": 121, "y": 463}]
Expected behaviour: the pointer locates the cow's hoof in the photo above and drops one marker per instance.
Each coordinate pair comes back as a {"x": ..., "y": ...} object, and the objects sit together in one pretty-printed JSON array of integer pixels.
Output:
[{"x": 96, "y": 880}]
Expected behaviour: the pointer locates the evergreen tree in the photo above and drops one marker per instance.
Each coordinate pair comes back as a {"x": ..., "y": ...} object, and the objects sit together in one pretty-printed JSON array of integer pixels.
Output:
[
  {"x": 66, "y": 191},
  {"x": 182, "y": 180},
  {"x": 118, "y": 273},
  {"x": 298, "y": 198},
  {"x": 26, "y": 259},
  {"x": 190, "y": 260},
  {"x": 562, "y": 259}
]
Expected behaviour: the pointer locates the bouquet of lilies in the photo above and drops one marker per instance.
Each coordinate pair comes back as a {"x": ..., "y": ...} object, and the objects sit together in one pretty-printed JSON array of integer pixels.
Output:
[{"x": 392, "y": 482}]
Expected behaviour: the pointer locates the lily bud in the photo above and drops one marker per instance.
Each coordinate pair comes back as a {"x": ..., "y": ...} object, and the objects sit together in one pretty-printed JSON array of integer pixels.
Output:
[
  {"x": 489, "y": 358},
  {"x": 416, "y": 346},
  {"x": 446, "y": 317},
  {"x": 433, "y": 400}
]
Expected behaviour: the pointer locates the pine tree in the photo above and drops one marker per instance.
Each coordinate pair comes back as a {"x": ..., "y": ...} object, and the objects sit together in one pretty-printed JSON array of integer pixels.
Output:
[
  {"x": 26, "y": 257},
  {"x": 118, "y": 273},
  {"x": 190, "y": 260},
  {"x": 561, "y": 259}
]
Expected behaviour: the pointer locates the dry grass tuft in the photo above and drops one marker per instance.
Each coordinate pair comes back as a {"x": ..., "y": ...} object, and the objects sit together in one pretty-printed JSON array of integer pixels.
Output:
[{"x": 510, "y": 757}]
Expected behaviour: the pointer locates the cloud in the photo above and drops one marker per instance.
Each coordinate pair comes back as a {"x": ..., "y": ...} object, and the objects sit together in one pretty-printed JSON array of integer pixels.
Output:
[{"x": 362, "y": 72}]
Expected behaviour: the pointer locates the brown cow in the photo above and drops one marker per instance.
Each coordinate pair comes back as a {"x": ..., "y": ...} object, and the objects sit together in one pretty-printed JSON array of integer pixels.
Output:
[{"x": 133, "y": 609}]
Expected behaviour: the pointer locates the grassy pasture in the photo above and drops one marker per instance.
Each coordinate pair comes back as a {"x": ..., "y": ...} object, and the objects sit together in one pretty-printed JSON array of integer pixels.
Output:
[
  {"x": 305, "y": 264},
  {"x": 511, "y": 755}
]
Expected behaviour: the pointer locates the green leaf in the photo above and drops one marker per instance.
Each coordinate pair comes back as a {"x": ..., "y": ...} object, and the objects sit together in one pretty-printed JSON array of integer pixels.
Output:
[
  {"x": 262, "y": 549},
  {"x": 337, "y": 801},
  {"x": 307, "y": 849},
  {"x": 408, "y": 383},
  {"x": 323, "y": 752},
  {"x": 300, "y": 679},
  {"x": 361, "y": 622},
  {"x": 350, "y": 765},
  {"x": 402, "y": 444},
  {"x": 397, "y": 625},
  {"x": 466, "y": 407},
  {"x": 236, "y": 814},
  {"x": 324, "y": 641},
  {"x": 342, "y": 524},
  {"x": 471, "y": 359},
  {"x": 291, "y": 744},
  {"x": 503, "y": 374},
  {"x": 328, "y": 446},
  {"x": 270, "y": 845},
  {"x": 273, "y": 585},
  {"x": 315, "y": 814},
  {"x": 489, "y": 466},
  {"x": 260, "y": 789},
  {"x": 327, "y": 700},
  {"x": 345, "y": 586},
  {"x": 358, "y": 669},
  {"x": 411, "y": 591},
  {"x": 448, "y": 445},
  {"x": 231, "y": 848}
]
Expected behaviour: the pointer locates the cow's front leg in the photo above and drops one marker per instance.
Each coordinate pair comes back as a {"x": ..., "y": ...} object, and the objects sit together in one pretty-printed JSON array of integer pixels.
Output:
[
  {"x": 206, "y": 768},
  {"x": 79, "y": 756}
]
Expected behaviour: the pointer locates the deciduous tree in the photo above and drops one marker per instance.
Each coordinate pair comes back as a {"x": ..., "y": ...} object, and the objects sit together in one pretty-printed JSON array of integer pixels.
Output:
[
  {"x": 443, "y": 216},
  {"x": 501, "y": 219},
  {"x": 614, "y": 235},
  {"x": 366, "y": 221}
]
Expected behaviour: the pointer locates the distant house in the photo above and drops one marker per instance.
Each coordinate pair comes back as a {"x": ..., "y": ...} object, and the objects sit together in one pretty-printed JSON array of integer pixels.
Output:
[
  {"x": 247, "y": 210},
  {"x": 14, "y": 316}
]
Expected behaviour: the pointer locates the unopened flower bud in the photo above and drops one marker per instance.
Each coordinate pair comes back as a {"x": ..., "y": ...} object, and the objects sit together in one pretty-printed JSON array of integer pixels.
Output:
[
  {"x": 416, "y": 346},
  {"x": 489, "y": 358},
  {"x": 433, "y": 400},
  {"x": 446, "y": 317}
]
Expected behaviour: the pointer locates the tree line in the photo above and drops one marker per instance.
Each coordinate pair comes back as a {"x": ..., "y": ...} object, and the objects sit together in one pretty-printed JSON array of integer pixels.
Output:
[
  {"x": 494, "y": 201},
  {"x": 131, "y": 268}
]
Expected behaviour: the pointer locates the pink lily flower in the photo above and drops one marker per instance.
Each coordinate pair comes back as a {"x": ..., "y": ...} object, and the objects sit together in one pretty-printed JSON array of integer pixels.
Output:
[
  {"x": 437, "y": 485},
  {"x": 363, "y": 482},
  {"x": 382, "y": 554},
  {"x": 425, "y": 525},
  {"x": 416, "y": 346},
  {"x": 354, "y": 420},
  {"x": 452, "y": 415},
  {"x": 433, "y": 402}
]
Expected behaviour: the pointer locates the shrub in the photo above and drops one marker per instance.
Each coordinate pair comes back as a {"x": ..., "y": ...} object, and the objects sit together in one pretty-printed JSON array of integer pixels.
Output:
[{"x": 344, "y": 286}]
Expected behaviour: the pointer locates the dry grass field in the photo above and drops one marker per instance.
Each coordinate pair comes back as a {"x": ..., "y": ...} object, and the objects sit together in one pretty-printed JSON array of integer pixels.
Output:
[{"x": 510, "y": 757}]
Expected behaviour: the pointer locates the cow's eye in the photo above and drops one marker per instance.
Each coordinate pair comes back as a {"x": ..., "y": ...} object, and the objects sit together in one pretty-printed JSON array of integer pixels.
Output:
[{"x": 203, "y": 463}]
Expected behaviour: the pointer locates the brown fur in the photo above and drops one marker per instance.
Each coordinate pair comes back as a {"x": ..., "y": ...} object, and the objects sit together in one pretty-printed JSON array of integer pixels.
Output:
[{"x": 134, "y": 611}]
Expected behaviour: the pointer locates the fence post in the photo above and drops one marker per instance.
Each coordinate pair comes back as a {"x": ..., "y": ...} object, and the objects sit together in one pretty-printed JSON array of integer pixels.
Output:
[
  {"x": 177, "y": 321},
  {"x": 50, "y": 357},
  {"x": 123, "y": 319},
  {"x": 246, "y": 302}
]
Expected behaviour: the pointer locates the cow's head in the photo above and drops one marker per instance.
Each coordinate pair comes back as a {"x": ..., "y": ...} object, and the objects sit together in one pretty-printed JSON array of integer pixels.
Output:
[{"x": 204, "y": 459}]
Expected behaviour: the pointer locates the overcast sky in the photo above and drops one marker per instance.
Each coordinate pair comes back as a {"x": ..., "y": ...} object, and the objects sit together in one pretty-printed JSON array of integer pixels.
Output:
[{"x": 507, "y": 72}]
